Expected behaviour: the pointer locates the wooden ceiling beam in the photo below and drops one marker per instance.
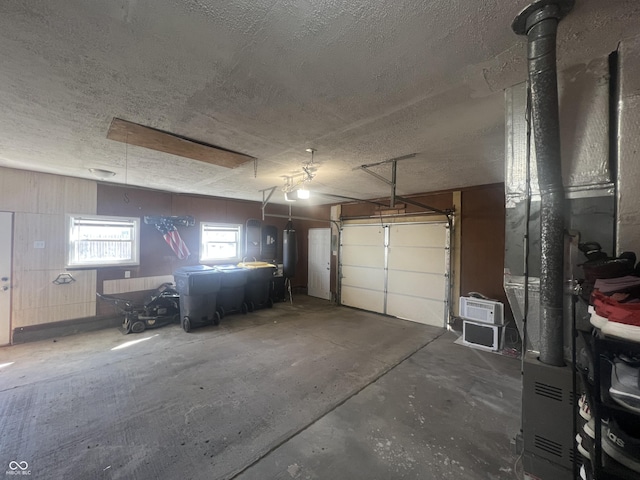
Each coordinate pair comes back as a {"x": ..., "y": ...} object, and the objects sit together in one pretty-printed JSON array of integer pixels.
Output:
[{"x": 147, "y": 137}]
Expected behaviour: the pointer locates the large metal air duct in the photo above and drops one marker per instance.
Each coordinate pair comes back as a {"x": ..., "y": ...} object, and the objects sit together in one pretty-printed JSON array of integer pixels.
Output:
[{"x": 539, "y": 22}]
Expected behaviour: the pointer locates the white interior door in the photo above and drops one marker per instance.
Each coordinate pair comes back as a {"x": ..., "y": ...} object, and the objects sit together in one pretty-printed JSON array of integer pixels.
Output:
[
  {"x": 319, "y": 264},
  {"x": 363, "y": 267},
  {"x": 417, "y": 272},
  {"x": 6, "y": 229}
]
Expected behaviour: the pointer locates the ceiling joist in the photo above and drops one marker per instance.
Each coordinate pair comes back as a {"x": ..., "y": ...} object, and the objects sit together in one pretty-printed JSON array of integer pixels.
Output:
[{"x": 147, "y": 137}]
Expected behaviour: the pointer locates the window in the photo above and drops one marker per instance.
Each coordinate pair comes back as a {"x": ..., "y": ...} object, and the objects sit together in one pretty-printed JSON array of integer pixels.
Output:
[
  {"x": 220, "y": 242},
  {"x": 99, "y": 241}
]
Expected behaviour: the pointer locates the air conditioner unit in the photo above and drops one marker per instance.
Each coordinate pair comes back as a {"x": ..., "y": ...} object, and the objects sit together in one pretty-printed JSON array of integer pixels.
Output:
[
  {"x": 481, "y": 310},
  {"x": 481, "y": 335}
]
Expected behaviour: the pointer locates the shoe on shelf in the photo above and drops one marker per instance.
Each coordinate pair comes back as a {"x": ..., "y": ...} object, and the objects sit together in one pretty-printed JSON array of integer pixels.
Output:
[
  {"x": 595, "y": 319},
  {"x": 584, "y": 446},
  {"x": 625, "y": 384},
  {"x": 599, "y": 265},
  {"x": 621, "y": 330},
  {"x": 626, "y": 284},
  {"x": 585, "y": 410},
  {"x": 610, "y": 327},
  {"x": 615, "y": 311},
  {"x": 585, "y": 473},
  {"x": 590, "y": 428},
  {"x": 620, "y": 444}
]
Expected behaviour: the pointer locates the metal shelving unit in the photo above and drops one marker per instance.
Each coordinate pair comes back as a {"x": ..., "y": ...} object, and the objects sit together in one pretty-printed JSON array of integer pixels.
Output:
[{"x": 601, "y": 349}]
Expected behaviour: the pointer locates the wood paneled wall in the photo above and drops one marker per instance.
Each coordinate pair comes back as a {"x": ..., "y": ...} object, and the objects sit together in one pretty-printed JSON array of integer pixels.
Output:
[
  {"x": 157, "y": 259},
  {"x": 482, "y": 253},
  {"x": 39, "y": 202}
]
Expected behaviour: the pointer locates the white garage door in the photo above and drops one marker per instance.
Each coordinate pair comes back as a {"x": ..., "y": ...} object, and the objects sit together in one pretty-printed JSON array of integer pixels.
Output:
[
  {"x": 398, "y": 269},
  {"x": 363, "y": 263}
]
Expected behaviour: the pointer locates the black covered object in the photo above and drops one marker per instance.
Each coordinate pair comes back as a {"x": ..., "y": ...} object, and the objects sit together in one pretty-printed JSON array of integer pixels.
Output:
[
  {"x": 161, "y": 307},
  {"x": 258, "y": 287},
  {"x": 289, "y": 251},
  {"x": 231, "y": 294},
  {"x": 600, "y": 266},
  {"x": 278, "y": 290},
  {"x": 197, "y": 280},
  {"x": 253, "y": 238},
  {"x": 269, "y": 243},
  {"x": 198, "y": 287}
]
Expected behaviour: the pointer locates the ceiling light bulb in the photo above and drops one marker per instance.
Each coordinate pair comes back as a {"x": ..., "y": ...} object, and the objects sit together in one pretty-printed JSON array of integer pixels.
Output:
[
  {"x": 303, "y": 193},
  {"x": 100, "y": 173}
]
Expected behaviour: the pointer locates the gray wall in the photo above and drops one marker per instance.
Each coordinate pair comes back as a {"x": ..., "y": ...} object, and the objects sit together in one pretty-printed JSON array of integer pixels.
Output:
[{"x": 628, "y": 228}]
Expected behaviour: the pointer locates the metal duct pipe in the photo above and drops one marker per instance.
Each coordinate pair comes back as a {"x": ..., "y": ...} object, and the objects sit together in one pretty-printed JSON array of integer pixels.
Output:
[{"x": 539, "y": 22}]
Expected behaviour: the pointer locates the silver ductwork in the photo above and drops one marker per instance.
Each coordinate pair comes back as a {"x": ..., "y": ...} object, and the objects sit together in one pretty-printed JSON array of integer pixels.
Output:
[
  {"x": 559, "y": 192},
  {"x": 586, "y": 108},
  {"x": 584, "y": 96},
  {"x": 540, "y": 23}
]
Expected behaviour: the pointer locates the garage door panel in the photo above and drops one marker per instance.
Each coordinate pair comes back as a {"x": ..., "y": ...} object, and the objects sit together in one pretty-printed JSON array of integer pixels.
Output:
[
  {"x": 417, "y": 284},
  {"x": 367, "y": 278},
  {"x": 415, "y": 274},
  {"x": 363, "y": 256},
  {"x": 417, "y": 259},
  {"x": 419, "y": 235},
  {"x": 365, "y": 299},
  {"x": 372, "y": 235},
  {"x": 421, "y": 310}
]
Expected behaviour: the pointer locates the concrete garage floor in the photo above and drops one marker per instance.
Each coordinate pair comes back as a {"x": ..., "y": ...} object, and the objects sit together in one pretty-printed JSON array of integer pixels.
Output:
[{"x": 309, "y": 391}]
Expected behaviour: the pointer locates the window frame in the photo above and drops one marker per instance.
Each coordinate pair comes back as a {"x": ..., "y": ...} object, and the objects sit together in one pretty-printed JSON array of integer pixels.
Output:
[
  {"x": 72, "y": 260},
  {"x": 236, "y": 227}
]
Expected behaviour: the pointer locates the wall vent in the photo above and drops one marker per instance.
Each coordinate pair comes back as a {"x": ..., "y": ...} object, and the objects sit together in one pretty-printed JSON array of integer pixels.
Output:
[
  {"x": 548, "y": 391},
  {"x": 548, "y": 446}
]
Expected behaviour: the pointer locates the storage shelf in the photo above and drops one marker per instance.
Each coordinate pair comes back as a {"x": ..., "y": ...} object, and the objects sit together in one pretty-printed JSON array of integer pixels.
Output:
[{"x": 601, "y": 405}]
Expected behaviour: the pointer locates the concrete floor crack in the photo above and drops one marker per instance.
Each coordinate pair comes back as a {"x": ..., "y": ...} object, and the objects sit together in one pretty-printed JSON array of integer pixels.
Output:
[{"x": 296, "y": 432}]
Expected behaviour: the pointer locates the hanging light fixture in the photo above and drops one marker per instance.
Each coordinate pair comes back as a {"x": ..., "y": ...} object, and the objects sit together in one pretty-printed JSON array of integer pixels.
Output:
[
  {"x": 288, "y": 188},
  {"x": 296, "y": 183}
]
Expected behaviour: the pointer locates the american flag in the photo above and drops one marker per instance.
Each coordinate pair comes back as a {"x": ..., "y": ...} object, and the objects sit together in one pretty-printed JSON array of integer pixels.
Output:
[{"x": 172, "y": 237}]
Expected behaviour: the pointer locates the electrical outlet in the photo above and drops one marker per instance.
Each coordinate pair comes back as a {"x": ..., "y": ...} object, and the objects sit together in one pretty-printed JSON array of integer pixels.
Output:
[
  {"x": 127, "y": 274},
  {"x": 38, "y": 244}
]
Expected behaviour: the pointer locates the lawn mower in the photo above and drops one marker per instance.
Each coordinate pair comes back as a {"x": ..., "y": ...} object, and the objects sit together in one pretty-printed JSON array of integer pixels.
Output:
[{"x": 160, "y": 308}]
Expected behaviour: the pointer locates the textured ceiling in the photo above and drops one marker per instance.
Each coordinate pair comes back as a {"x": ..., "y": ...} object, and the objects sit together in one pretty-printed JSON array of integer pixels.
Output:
[{"x": 359, "y": 81}]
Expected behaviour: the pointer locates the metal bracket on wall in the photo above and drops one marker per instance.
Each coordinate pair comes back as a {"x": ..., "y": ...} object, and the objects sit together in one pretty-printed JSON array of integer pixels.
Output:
[
  {"x": 177, "y": 221},
  {"x": 64, "y": 279},
  {"x": 393, "y": 183},
  {"x": 265, "y": 201}
]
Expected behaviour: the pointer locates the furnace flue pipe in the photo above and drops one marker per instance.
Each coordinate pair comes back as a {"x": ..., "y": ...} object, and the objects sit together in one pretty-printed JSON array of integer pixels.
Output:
[{"x": 539, "y": 22}]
